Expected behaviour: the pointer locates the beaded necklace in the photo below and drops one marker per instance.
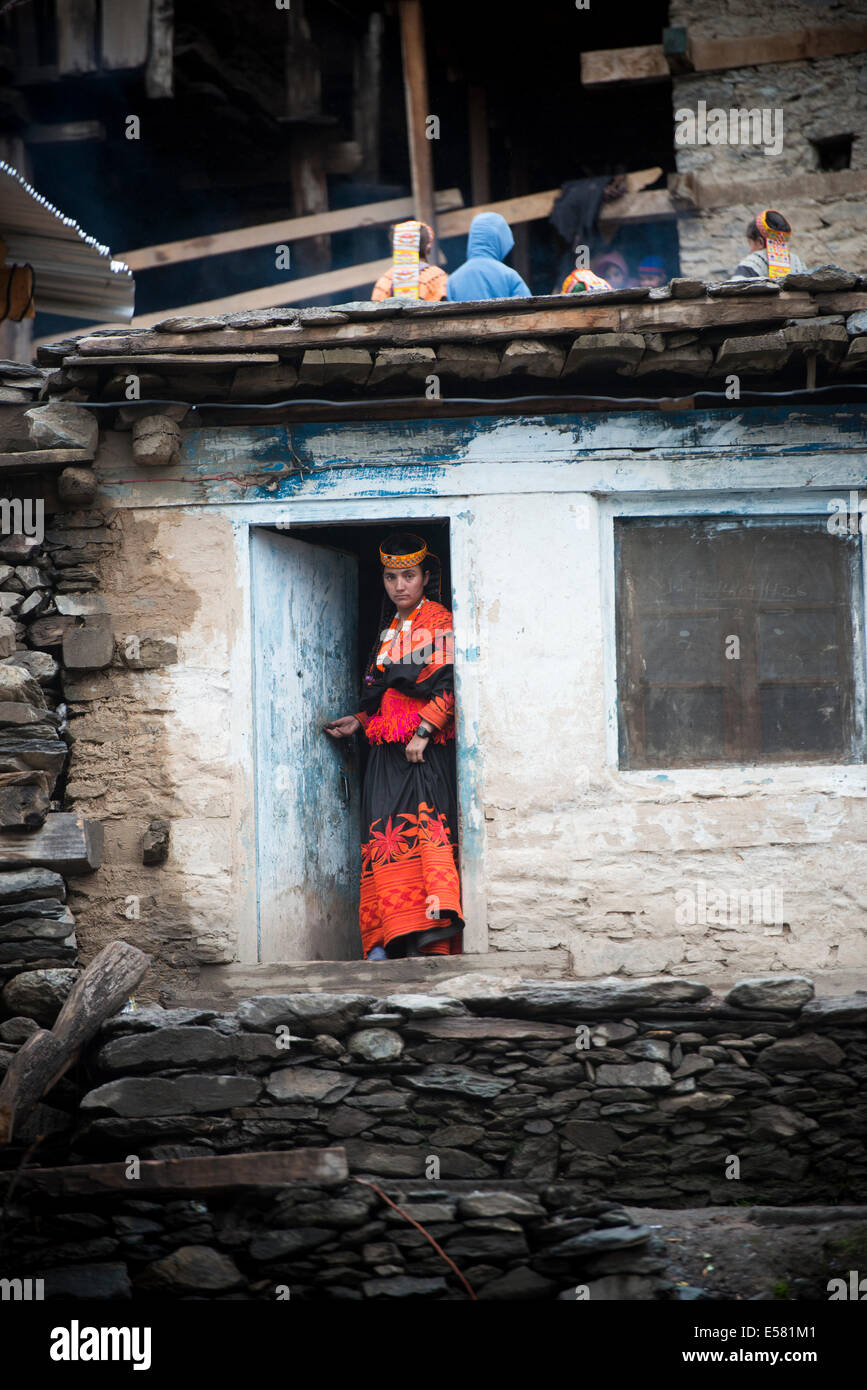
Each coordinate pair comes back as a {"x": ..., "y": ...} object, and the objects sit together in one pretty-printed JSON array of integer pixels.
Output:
[{"x": 396, "y": 626}]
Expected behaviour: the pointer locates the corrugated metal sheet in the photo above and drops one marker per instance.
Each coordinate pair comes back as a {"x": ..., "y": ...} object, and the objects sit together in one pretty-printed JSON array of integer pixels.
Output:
[{"x": 74, "y": 274}]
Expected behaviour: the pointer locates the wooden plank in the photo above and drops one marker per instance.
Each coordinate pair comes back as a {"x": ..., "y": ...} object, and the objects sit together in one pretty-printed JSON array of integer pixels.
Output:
[
  {"x": 648, "y": 63},
  {"x": 606, "y": 66},
  {"x": 30, "y": 459},
  {"x": 160, "y": 71},
  {"x": 68, "y": 842},
  {"x": 98, "y": 993},
  {"x": 841, "y": 302},
  {"x": 76, "y": 36},
  {"x": 210, "y": 1173},
  {"x": 532, "y": 206},
  {"x": 289, "y": 229},
  {"x": 125, "y": 31},
  {"x": 673, "y": 314},
  {"x": 753, "y": 50},
  {"x": 175, "y": 359},
  {"x": 62, "y": 132},
  {"x": 417, "y": 109}
]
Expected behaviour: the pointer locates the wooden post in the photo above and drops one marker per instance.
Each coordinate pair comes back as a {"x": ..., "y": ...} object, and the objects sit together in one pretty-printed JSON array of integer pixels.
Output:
[
  {"x": 306, "y": 155},
  {"x": 480, "y": 161},
  {"x": 417, "y": 109},
  {"x": 160, "y": 71},
  {"x": 366, "y": 98}
]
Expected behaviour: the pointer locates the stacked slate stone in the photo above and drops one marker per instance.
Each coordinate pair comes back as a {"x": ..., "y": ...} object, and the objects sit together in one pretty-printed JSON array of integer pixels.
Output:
[
  {"x": 528, "y": 1240},
  {"x": 509, "y": 1121},
  {"x": 37, "y": 930},
  {"x": 36, "y": 927},
  {"x": 20, "y": 382},
  {"x": 496, "y": 1082}
]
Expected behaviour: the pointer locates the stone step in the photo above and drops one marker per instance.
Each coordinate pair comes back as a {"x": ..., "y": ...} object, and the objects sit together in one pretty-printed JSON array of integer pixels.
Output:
[{"x": 221, "y": 986}]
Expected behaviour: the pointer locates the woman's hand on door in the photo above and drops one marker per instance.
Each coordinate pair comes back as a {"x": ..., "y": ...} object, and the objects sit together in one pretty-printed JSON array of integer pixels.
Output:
[{"x": 344, "y": 727}]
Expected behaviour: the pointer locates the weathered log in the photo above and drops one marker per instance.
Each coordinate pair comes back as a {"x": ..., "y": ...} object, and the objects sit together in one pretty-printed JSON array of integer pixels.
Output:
[
  {"x": 97, "y": 994},
  {"x": 324, "y": 1167}
]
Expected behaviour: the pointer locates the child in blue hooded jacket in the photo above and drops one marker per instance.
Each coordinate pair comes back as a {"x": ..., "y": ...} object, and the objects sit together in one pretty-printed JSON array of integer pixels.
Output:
[{"x": 483, "y": 275}]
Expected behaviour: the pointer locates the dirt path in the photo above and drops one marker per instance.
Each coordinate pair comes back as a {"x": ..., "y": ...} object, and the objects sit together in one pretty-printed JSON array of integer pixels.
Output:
[{"x": 734, "y": 1252}]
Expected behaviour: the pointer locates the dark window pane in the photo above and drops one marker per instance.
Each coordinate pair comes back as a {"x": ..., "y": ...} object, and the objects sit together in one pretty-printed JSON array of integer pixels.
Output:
[
  {"x": 798, "y": 644},
  {"x": 801, "y": 719},
  {"x": 679, "y": 719},
  {"x": 681, "y": 649},
  {"x": 735, "y": 641}
]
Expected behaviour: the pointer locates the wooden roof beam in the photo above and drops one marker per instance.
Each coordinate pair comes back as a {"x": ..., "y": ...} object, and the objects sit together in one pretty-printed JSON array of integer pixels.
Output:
[{"x": 681, "y": 52}]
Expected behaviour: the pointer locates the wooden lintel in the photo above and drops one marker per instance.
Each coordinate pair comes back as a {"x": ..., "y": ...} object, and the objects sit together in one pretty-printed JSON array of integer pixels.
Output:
[
  {"x": 324, "y": 1167},
  {"x": 648, "y": 63},
  {"x": 700, "y": 192},
  {"x": 753, "y": 50}
]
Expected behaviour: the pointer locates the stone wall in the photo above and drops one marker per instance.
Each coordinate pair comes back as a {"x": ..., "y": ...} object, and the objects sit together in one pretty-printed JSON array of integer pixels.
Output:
[
  {"x": 819, "y": 99},
  {"x": 510, "y": 1240},
  {"x": 153, "y": 754},
  {"x": 511, "y": 1121},
  {"x": 37, "y": 579}
]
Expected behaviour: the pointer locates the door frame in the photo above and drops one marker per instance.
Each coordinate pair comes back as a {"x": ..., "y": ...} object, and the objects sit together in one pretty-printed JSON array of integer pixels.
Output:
[{"x": 468, "y": 671}]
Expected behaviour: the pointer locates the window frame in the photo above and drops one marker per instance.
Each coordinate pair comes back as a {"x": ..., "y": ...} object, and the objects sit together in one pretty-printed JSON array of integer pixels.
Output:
[{"x": 793, "y": 508}]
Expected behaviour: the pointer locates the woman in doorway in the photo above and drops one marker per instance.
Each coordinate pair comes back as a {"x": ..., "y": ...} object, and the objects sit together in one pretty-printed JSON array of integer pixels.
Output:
[{"x": 410, "y": 890}]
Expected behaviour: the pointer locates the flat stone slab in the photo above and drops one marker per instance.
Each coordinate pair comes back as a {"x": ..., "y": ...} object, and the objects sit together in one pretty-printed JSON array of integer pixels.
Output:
[
  {"x": 310, "y": 1084},
  {"x": 808, "y": 1052},
  {"x": 514, "y": 1029},
  {"x": 154, "y": 1095},
  {"x": 850, "y": 1008},
  {"x": 652, "y": 1075},
  {"x": 576, "y": 1000},
  {"x": 460, "y": 1081},
  {"x": 423, "y": 1006},
  {"x": 308, "y": 1013},
  {"x": 167, "y": 1048},
  {"x": 788, "y": 993}
]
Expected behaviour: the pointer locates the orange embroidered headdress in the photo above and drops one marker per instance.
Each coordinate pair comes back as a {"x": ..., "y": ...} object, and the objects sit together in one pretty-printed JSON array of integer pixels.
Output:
[
  {"x": 404, "y": 562},
  {"x": 776, "y": 230}
]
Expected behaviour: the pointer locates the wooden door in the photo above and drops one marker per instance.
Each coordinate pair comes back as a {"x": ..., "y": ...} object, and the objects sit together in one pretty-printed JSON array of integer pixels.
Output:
[{"x": 305, "y": 617}]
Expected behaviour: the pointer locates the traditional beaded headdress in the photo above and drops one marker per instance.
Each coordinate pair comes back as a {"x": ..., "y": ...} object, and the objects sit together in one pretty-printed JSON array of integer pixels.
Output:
[
  {"x": 776, "y": 244},
  {"x": 403, "y": 562}
]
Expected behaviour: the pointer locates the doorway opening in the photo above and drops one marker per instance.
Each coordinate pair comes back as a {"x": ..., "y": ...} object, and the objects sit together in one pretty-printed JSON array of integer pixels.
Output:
[{"x": 316, "y": 596}]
